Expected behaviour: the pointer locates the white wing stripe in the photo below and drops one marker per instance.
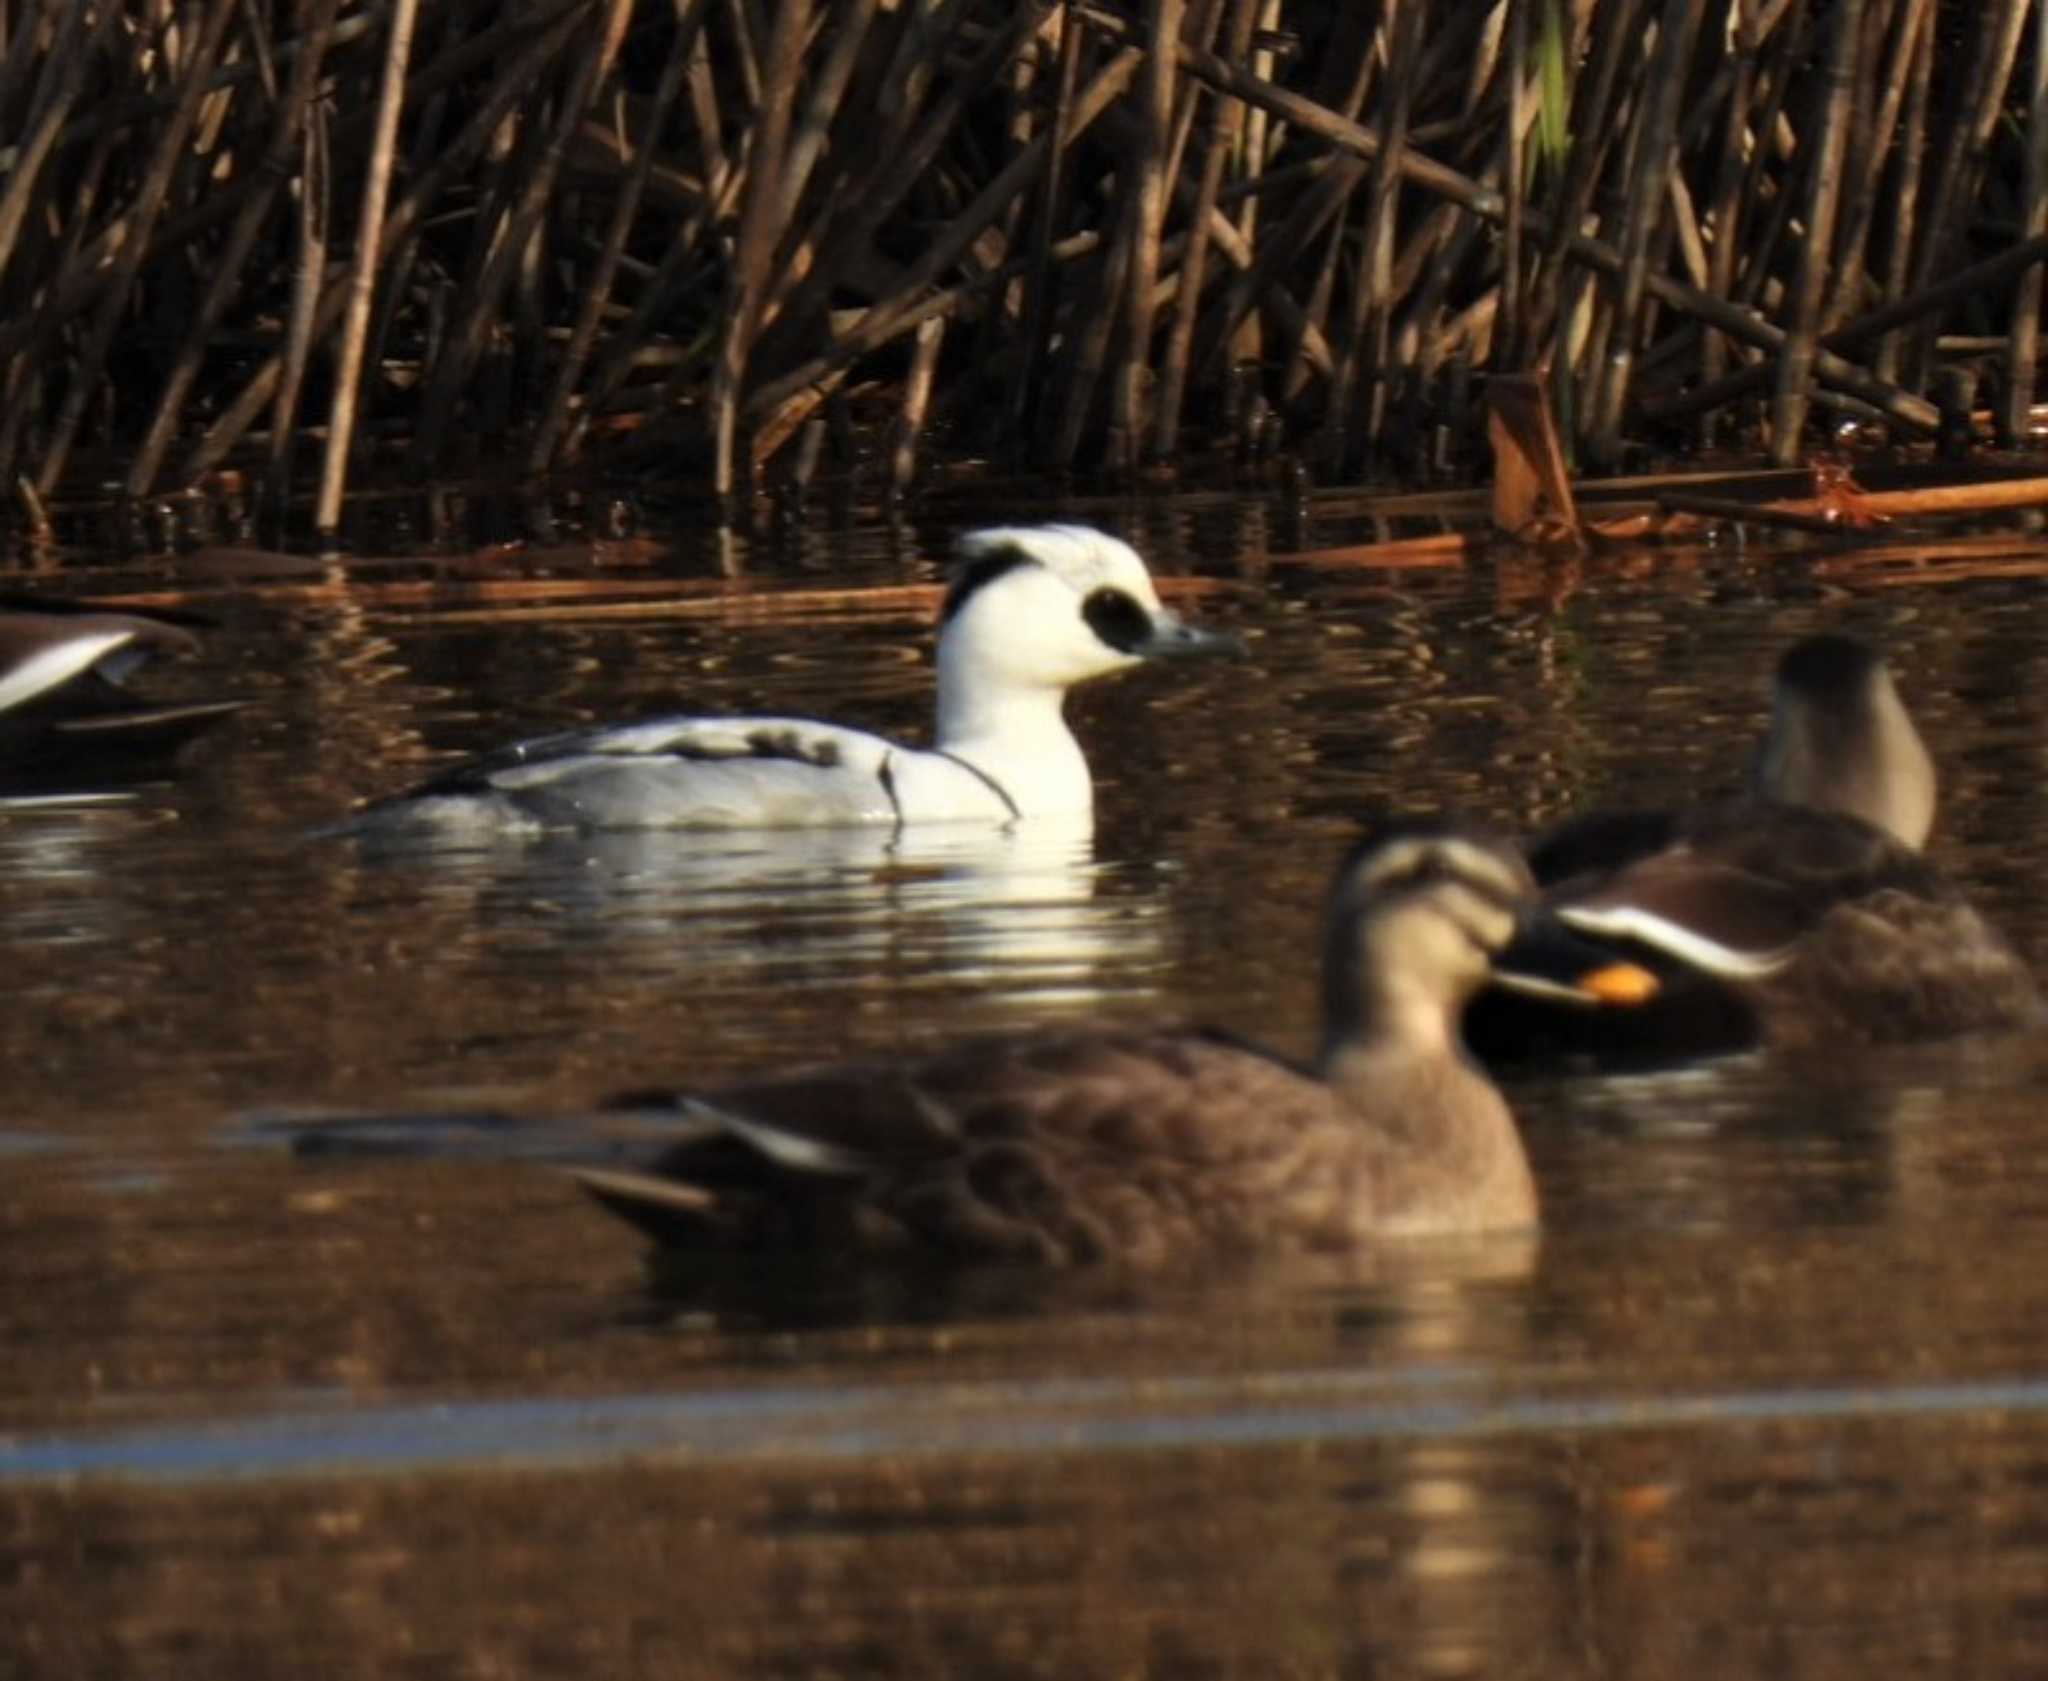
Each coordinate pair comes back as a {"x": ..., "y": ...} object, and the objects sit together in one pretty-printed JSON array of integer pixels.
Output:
[
  {"x": 58, "y": 663},
  {"x": 1688, "y": 945}
]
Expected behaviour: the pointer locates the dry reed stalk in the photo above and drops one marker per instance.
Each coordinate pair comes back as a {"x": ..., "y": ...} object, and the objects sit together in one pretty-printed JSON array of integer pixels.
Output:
[
  {"x": 1046, "y": 207},
  {"x": 1959, "y": 158},
  {"x": 1352, "y": 75},
  {"x": 1986, "y": 276},
  {"x": 1824, "y": 179},
  {"x": 514, "y": 76},
  {"x": 43, "y": 256},
  {"x": 1765, "y": 207},
  {"x": 1901, "y": 406},
  {"x": 884, "y": 321},
  {"x": 664, "y": 288},
  {"x": 511, "y": 243},
  {"x": 1859, "y": 214},
  {"x": 272, "y": 169},
  {"x": 362, "y": 274},
  {"x": 848, "y": 33},
  {"x": 1261, "y": 140},
  {"x": 1509, "y": 351},
  {"x": 2024, "y": 350},
  {"x": 917, "y": 392},
  {"x": 1724, "y": 203},
  {"x": 1221, "y": 125},
  {"x": 79, "y": 293},
  {"x": 918, "y": 130},
  {"x": 308, "y": 273},
  {"x": 1653, "y": 156},
  {"x": 603, "y": 277},
  {"x": 754, "y": 245},
  {"x": 58, "y": 88},
  {"x": 1364, "y": 362},
  {"x": 1891, "y": 350},
  {"x": 1144, "y": 219},
  {"x": 937, "y": 158},
  {"x": 147, "y": 206}
]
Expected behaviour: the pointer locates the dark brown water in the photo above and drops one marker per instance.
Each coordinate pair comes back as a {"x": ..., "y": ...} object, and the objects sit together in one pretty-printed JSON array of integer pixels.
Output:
[{"x": 1769, "y": 1397}]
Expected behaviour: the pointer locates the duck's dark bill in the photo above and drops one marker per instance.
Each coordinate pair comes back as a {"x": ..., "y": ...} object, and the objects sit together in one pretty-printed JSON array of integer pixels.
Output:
[{"x": 1547, "y": 960}]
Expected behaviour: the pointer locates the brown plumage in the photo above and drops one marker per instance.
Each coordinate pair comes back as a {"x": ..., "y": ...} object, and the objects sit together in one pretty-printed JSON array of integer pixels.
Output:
[
  {"x": 1142, "y": 1145},
  {"x": 1800, "y": 915}
]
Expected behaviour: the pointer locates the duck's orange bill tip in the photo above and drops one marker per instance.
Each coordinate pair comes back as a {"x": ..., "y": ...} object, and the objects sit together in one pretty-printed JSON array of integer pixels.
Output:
[{"x": 1620, "y": 983}]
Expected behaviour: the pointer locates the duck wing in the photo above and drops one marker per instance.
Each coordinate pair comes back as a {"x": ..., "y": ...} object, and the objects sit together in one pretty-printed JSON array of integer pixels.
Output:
[
  {"x": 64, "y": 709},
  {"x": 707, "y": 773},
  {"x": 1051, "y": 1148},
  {"x": 787, "y": 741},
  {"x": 1779, "y": 923}
]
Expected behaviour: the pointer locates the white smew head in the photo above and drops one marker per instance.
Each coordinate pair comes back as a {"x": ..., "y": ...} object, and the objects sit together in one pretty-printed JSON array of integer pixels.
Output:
[{"x": 1030, "y": 612}]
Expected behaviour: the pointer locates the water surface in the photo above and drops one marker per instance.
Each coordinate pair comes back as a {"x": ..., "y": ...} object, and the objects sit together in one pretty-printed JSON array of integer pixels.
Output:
[{"x": 1767, "y": 1396}]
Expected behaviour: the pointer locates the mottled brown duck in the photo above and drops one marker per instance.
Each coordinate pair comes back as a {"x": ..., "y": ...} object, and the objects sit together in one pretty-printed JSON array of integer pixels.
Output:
[{"x": 1139, "y": 1146}]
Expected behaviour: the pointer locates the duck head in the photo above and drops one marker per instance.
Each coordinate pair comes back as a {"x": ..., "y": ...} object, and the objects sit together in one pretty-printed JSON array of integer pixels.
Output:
[
  {"x": 1046, "y": 607},
  {"x": 1422, "y": 915},
  {"x": 1841, "y": 740}
]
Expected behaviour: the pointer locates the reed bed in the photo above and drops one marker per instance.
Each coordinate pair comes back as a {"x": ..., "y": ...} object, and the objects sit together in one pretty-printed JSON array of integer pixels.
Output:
[{"x": 316, "y": 243}]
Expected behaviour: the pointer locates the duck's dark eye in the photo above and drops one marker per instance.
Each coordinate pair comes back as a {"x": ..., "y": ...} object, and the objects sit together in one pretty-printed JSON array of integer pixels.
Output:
[{"x": 1119, "y": 619}]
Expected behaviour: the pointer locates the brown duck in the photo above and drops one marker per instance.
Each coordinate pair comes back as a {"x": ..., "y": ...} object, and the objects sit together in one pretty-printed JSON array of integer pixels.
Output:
[
  {"x": 1138, "y": 1146},
  {"x": 1801, "y": 914}
]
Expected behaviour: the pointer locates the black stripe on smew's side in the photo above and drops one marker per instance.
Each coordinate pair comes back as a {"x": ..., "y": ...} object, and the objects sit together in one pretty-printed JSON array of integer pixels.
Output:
[
  {"x": 989, "y": 782},
  {"x": 886, "y": 775},
  {"x": 984, "y": 568}
]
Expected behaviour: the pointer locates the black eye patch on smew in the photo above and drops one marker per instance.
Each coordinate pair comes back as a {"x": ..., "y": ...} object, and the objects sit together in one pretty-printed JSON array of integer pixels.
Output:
[
  {"x": 1118, "y": 619},
  {"x": 971, "y": 575}
]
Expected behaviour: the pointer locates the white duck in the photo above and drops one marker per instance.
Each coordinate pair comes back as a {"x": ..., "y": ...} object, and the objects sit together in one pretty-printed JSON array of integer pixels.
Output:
[{"x": 1030, "y": 612}]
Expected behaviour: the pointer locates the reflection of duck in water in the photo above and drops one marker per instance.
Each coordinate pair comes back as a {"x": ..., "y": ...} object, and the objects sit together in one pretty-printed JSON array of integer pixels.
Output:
[
  {"x": 1031, "y": 612},
  {"x": 1124, "y": 1146},
  {"x": 1800, "y": 914},
  {"x": 67, "y": 716},
  {"x": 1022, "y": 908}
]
